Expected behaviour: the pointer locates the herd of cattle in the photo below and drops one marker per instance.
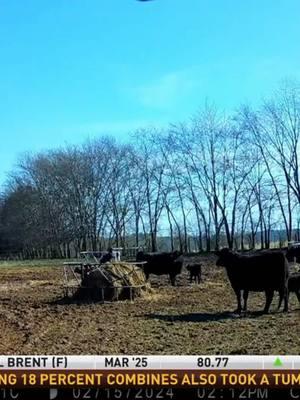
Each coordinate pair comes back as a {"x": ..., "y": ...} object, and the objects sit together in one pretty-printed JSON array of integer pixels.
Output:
[{"x": 260, "y": 271}]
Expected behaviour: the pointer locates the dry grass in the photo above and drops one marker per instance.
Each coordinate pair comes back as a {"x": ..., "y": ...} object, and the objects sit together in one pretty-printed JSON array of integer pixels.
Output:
[
  {"x": 115, "y": 278},
  {"x": 187, "y": 319}
]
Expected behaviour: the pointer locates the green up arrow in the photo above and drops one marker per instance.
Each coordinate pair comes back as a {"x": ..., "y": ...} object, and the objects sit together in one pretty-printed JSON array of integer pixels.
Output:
[{"x": 277, "y": 362}]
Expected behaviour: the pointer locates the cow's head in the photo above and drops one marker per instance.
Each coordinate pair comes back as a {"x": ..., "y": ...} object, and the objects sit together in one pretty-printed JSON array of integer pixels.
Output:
[
  {"x": 225, "y": 257},
  {"x": 177, "y": 256},
  {"x": 177, "y": 253}
]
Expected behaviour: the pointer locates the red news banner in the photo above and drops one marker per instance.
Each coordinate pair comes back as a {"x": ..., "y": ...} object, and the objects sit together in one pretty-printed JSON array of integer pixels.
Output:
[
  {"x": 149, "y": 371},
  {"x": 124, "y": 378}
]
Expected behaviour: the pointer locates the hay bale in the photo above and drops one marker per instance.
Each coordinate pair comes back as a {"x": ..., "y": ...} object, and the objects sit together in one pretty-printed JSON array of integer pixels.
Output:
[{"x": 113, "y": 281}]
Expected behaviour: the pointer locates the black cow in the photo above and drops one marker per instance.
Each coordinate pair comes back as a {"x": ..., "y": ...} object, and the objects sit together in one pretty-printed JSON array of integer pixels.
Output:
[
  {"x": 107, "y": 257},
  {"x": 293, "y": 286},
  {"x": 83, "y": 271},
  {"x": 293, "y": 253},
  {"x": 195, "y": 271},
  {"x": 161, "y": 264},
  {"x": 259, "y": 272}
]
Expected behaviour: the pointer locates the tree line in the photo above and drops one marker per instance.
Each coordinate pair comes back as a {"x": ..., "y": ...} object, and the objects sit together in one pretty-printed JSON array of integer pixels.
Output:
[{"x": 215, "y": 180}]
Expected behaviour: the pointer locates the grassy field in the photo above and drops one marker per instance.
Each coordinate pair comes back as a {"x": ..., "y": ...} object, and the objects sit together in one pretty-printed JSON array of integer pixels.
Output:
[{"x": 186, "y": 319}]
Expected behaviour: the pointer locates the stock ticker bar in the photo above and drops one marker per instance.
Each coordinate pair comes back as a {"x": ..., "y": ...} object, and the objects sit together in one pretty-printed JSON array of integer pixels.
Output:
[
  {"x": 163, "y": 362},
  {"x": 125, "y": 372}
]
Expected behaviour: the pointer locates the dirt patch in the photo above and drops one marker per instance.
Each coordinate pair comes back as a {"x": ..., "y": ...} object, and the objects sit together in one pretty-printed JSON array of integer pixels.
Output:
[{"x": 186, "y": 319}]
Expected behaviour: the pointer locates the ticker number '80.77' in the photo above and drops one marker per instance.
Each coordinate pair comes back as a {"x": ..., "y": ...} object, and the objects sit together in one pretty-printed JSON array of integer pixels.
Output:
[{"x": 208, "y": 362}]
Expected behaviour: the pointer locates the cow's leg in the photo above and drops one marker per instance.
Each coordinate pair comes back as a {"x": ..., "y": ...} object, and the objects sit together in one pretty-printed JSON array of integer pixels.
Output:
[
  {"x": 245, "y": 297},
  {"x": 286, "y": 299},
  {"x": 283, "y": 295},
  {"x": 147, "y": 275},
  {"x": 269, "y": 298},
  {"x": 172, "y": 279},
  {"x": 238, "y": 297},
  {"x": 191, "y": 278},
  {"x": 298, "y": 295}
]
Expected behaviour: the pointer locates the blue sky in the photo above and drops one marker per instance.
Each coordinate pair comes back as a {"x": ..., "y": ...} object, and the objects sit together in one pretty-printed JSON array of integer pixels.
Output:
[{"x": 70, "y": 69}]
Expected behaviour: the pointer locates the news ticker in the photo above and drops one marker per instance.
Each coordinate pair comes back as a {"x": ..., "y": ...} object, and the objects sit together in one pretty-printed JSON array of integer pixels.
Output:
[{"x": 150, "y": 371}]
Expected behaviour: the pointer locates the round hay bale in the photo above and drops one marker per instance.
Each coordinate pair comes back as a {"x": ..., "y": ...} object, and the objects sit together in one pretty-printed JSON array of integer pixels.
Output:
[{"x": 113, "y": 281}]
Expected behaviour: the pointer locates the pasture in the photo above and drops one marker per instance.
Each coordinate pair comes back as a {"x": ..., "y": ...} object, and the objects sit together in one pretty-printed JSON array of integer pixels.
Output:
[{"x": 186, "y": 319}]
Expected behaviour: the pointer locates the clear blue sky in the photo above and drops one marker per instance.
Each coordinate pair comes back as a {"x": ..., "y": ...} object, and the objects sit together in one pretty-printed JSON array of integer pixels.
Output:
[{"x": 76, "y": 68}]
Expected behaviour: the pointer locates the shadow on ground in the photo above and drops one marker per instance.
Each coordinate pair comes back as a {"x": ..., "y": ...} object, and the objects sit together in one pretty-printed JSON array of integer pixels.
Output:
[
  {"x": 204, "y": 317},
  {"x": 70, "y": 300}
]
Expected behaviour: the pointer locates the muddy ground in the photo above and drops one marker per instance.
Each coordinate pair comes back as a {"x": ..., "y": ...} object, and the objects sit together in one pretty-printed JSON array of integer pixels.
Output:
[{"x": 187, "y": 319}]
